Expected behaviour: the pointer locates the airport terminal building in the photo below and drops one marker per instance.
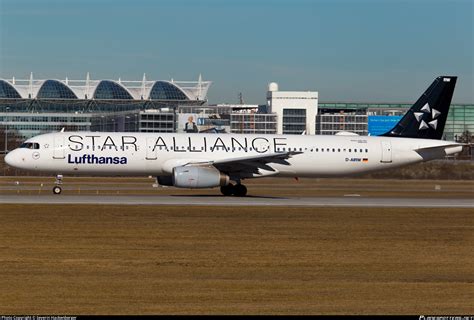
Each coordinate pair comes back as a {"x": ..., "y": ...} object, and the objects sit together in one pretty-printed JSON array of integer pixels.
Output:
[{"x": 31, "y": 107}]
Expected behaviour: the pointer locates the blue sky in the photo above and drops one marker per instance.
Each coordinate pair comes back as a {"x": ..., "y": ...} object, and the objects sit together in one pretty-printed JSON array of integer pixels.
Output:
[{"x": 365, "y": 50}]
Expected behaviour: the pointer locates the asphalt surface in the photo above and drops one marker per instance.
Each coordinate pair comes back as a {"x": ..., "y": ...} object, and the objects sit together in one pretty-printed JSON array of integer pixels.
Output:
[{"x": 209, "y": 200}]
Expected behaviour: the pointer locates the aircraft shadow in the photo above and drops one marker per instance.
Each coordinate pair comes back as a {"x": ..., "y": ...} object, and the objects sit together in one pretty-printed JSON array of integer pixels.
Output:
[{"x": 222, "y": 196}]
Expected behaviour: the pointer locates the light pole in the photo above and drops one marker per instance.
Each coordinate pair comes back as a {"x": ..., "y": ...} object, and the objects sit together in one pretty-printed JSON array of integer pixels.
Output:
[{"x": 6, "y": 130}]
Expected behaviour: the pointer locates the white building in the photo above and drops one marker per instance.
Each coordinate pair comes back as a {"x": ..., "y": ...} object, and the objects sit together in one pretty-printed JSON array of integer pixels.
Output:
[{"x": 296, "y": 110}]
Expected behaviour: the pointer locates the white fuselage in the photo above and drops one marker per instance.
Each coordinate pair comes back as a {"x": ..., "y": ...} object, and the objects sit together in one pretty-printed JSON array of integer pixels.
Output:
[{"x": 140, "y": 154}]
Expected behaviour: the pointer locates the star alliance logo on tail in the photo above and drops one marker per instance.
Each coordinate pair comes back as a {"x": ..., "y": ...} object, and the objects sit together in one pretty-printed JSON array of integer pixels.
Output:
[{"x": 427, "y": 110}]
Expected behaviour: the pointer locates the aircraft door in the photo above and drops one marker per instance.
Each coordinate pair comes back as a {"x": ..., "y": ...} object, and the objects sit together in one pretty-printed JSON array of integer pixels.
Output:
[
  {"x": 150, "y": 149},
  {"x": 386, "y": 152},
  {"x": 59, "y": 151}
]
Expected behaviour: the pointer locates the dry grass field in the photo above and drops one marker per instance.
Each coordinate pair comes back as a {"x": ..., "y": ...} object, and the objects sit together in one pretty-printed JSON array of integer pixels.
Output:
[{"x": 180, "y": 260}]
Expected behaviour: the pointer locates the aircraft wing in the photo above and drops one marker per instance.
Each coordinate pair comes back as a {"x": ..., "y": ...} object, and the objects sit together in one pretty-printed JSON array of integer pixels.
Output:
[{"x": 245, "y": 166}]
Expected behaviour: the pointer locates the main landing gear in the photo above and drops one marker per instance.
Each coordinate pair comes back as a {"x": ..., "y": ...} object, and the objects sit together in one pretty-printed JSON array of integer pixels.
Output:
[
  {"x": 59, "y": 180},
  {"x": 238, "y": 190}
]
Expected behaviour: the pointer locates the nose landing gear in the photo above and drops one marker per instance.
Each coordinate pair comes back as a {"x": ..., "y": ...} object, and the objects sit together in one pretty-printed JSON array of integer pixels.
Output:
[
  {"x": 57, "y": 190},
  {"x": 59, "y": 180}
]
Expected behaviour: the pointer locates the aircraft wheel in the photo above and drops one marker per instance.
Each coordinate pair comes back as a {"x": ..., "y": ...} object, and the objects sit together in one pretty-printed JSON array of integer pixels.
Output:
[
  {"x": 57, "y": 190},
  {"x": 227, "y": 190},
  {"x": 240, "y": 190}
]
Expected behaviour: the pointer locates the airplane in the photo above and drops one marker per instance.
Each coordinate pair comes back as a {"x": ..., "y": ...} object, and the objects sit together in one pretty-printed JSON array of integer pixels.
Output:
[{"x": 198, "y": 160}]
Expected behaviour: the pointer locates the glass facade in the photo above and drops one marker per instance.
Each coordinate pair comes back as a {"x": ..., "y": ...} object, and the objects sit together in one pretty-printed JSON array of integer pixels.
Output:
[
  {"x": 334, "y": 119},
  {"x": 294, "y": 121},
  {"x": 32, "y": 107},
  {"x": 53, "y": 89},
  {"x": 7, "y": 91},
  {"x": 253, "y": 123},
  {"x": 157, "y": 122},
  {"x": 24, "y": 125},
  {"x": 460, "y": 117},
  {"x": 163, "y": 90},
  {"x": 107, "y": 89},
  {"x": 330, "y": 124}
]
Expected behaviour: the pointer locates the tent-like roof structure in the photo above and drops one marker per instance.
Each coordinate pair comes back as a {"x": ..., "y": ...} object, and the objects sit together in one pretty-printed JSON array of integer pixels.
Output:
[{"x": 104, "y": 89}]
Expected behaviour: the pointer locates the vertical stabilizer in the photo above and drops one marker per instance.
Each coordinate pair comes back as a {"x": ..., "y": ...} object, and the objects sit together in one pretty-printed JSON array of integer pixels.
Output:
[{"x": 427, "y": 117}]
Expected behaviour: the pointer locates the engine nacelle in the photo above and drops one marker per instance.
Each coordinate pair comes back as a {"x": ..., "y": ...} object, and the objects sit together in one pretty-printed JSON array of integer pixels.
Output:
[{"x": 198, "y": 177}]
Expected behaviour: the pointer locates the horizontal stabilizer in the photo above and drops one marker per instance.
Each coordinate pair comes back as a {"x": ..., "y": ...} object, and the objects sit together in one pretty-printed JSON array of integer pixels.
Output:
[
  {"x": 446, "y": 146},
  {"x": 439, "y": 152}
]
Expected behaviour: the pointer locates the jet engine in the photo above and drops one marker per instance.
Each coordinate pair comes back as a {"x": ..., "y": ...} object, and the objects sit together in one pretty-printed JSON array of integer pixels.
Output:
[{"x": 198, "y": 177}]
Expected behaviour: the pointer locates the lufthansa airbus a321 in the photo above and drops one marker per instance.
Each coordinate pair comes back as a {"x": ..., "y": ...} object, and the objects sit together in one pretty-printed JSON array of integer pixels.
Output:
[{"x": 225, "y": 160}]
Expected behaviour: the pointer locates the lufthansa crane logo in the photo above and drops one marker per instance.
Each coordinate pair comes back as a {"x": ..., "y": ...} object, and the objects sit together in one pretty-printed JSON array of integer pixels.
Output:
[{"x": 425, "y": 114}]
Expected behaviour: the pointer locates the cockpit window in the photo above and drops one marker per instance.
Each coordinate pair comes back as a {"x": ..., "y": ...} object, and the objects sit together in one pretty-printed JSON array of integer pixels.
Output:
[{"x": 30, "y": 145}]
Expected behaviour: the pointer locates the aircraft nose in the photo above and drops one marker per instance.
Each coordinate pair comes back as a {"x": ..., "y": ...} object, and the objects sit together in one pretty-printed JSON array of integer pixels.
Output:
[{"x": 10, "y": 158}]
